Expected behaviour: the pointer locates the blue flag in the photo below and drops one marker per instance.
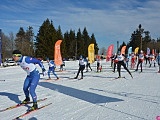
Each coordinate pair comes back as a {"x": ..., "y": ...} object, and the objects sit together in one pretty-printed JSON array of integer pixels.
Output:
[
  {"x": 129, "y": 51},
  {"x": 0, "y": 46}
]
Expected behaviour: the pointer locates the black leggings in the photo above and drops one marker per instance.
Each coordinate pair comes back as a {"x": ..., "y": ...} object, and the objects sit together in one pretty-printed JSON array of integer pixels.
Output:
[
  {"x": 81, "y": 68},
  {"x": 119, "y": 67},
  {"x": 139, "y": 62}
]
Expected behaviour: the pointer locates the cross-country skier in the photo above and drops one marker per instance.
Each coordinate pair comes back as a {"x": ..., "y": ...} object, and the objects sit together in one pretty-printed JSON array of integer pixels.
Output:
[
  {"x": 147, "y": 58},
  {"x": 133, "y": 60},
  {"x": 112, "y": 59},
  {"x": 115, "y": 61},
  {"x": 81, "y": 67},
  {"x": 88, "y": 65},
  {"x": 28, "y": 64},
  {"x": 62, "y": 65},
  {"x": 120, "y": 63},
  {"x": 99, "y": 65},
  {"x": 52, "y": 67},
  {"x": 152, "y": 60},
  {"x": 158, "y": 61},
  {"x": 140, "y": 60}
]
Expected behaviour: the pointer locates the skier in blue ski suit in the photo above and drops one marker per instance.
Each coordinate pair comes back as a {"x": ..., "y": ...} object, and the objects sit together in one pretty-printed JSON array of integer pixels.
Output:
[
  {"x": 28, "y": 64},
  {"x": 158, "y": 61},
  {"x": 52, "y": 67}
]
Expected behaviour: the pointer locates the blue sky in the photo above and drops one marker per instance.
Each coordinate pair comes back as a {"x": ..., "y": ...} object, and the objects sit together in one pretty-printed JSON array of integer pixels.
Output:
[{"x": 109, "y": 20}]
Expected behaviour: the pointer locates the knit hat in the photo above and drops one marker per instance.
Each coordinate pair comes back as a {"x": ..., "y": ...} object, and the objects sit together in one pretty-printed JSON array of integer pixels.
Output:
[
  {"x": 81, "y": 57},
  {"x": 17, "y": 53}
]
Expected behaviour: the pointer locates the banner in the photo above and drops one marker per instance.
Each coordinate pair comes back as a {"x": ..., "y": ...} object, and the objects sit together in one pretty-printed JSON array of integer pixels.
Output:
[
  {"x": 57, "y": 53},
  {"x": 0, "y": 47},
  {"x": 91, "y": 53},
  {"x": 148, "y": 51},
  {"x": 109, "y": 52},
  {"x": 136, "y": 50},
  {"x": 153, "y": 52},
  {"x": 123, "y": 49},
  {"x": 129, "y": 51}
]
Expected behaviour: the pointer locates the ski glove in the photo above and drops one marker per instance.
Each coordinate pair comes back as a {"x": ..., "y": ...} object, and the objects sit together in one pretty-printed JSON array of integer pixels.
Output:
[{"x": 43, "y": 69}]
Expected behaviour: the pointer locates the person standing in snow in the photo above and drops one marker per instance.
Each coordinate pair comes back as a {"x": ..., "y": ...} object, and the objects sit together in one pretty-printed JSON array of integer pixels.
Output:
[
  {"x": 147, "y": 57},
  {"x": 158, "y": 61},
  {"x": 112, "y": 59},
  {"x": 133, "y": 61},
  {"x": 120, "y": 63},
  {"x": 99, "y": 66},
  {"x": 140, "y": 60},
  {"x": 115, "y": 61},
  {"x": 31, "y": 81},
  {"x": 52, "y": 67},
  {"x": 81, "y": 67},
  {"x": 88, "y": 64},
  {"x": 62, "y": 65},
  {"x": 152, "y": 60}
]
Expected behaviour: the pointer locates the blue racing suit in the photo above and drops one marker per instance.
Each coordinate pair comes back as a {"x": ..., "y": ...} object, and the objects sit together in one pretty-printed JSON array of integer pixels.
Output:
[
  {"x": 33, "y": 76},
  {"x": 51, "y": 68}
]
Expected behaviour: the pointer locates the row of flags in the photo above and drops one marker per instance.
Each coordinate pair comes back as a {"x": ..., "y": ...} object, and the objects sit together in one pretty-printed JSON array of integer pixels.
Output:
[
  {"x": 58, "y": 57},
  {"x": 123, "y": 49},
  {"x": 0, "y": 46},
  {"x": 91, "y": 52}
]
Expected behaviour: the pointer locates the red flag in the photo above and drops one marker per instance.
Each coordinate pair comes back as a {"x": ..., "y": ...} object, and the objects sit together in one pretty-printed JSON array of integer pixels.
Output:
[
  {"x": 109, "y": 52},
  {"x": 153, "y": 52}
]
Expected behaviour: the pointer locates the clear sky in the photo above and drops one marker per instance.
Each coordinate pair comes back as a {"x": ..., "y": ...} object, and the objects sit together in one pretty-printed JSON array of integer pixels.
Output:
[{"x": 109, "y": 20}]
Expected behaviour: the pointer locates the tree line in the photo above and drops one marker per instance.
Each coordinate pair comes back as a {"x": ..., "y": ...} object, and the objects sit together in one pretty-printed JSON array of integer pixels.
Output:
[
  {"x": 141, "y": 38},
  {"x": 73, "y": 43}
]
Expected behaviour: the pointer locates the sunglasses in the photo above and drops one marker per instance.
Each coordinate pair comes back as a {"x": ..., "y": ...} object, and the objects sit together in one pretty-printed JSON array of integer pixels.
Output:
[{"x": 16, "y": 55}]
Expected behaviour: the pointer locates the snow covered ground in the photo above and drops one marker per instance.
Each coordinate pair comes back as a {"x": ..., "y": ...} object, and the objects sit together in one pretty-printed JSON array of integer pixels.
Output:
[{"x": 96, "y": 97}]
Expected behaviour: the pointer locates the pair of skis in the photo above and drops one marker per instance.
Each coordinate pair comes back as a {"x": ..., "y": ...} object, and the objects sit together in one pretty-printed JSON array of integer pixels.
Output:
[
  {"x": 28, "y": 112},
  {"x": 75, "y": 78},
  {"x": 20, "y": 104},
  {"x": 118, "y": 78}
]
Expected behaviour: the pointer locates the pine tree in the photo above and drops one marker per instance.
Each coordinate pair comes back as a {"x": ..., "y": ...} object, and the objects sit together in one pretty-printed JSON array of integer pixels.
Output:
[
  {"x": 45, "y": 40},
  {"x": 93, "y": 40},
  {"x": 86, "y": 40}
]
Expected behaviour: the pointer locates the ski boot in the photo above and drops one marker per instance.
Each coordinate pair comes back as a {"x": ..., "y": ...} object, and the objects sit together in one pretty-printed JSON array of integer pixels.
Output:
[
  {"x": 49, "y": 78},
  {"x": 34, "y": 107},
  {"x": 26, "y": 100}
]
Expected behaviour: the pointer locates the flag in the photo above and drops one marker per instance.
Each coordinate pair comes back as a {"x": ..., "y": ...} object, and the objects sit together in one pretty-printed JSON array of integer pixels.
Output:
[
  {"x": 123, "y": 49},
  {"x": 129, "y": 51},
  {"x": 148, "y": 51},
  {"x": 153, "y": 52},
  {"x": 91, "y": 53},
  {"x": 136, "y": 50},
  {"x": 109, "y": 52},
  {"x": 57, "y": 53},
  {"x": 0, "y": 46}
]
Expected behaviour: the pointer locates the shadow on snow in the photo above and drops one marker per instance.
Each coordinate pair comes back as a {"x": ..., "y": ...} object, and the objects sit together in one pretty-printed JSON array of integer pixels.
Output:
[
  {"x": 83, "y": 95},
  {"x": 11, "y": 96}
]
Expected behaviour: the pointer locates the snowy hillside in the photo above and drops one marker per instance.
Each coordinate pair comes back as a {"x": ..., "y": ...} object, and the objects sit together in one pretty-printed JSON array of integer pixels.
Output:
[{"x": 99, "y": 96}]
